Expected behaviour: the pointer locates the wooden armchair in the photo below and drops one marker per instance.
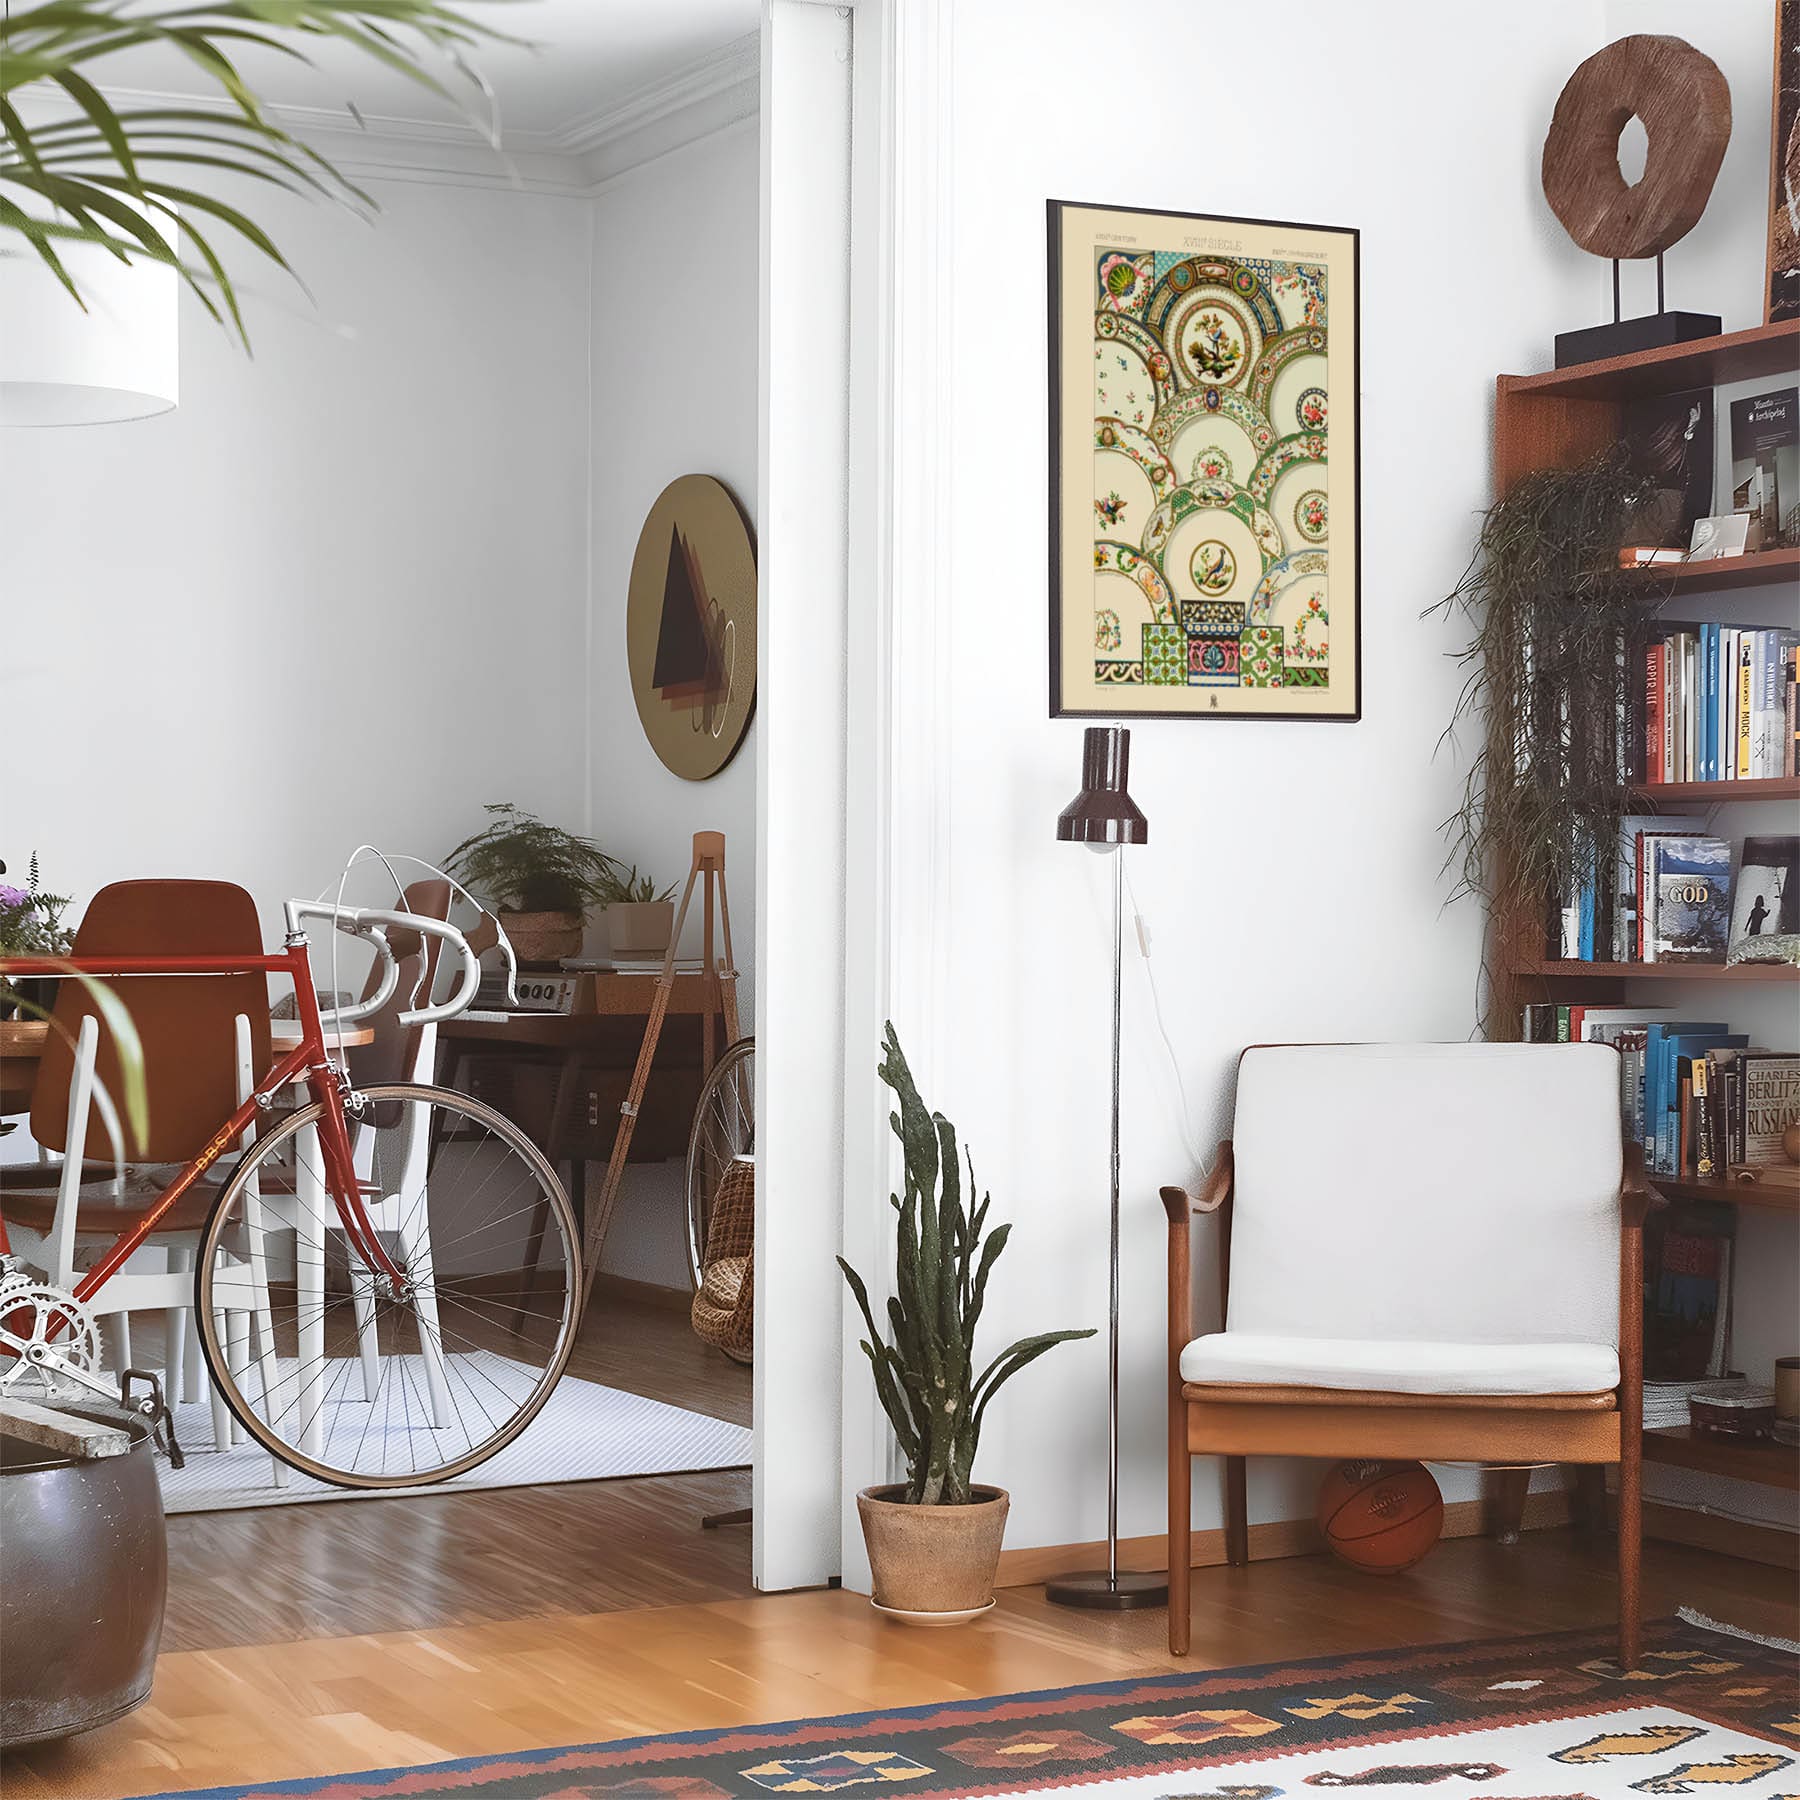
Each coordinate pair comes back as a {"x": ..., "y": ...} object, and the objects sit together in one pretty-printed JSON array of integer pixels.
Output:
[{"x": 1429, "y": 1251}]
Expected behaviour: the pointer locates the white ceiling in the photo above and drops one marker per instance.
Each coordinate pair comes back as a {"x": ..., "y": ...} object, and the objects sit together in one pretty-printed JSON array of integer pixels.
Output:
[{"x": 588, "y": 60}]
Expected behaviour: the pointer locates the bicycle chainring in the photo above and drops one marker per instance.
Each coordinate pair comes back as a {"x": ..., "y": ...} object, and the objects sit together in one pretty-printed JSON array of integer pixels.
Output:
[{"x": 34, "y": 1312}]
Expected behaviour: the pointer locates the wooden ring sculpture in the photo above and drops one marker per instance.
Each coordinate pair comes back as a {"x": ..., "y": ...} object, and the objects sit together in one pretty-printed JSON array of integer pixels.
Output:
[{"x": 1684, "y": 102}]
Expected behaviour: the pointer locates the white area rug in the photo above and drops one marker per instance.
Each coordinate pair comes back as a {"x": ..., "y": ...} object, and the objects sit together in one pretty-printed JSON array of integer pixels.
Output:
[{"x": 586, "y": 1432}]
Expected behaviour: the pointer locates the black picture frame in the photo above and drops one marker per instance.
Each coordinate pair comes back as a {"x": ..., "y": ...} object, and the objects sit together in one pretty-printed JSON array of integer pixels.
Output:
[{"x": 1056, "y": 211}]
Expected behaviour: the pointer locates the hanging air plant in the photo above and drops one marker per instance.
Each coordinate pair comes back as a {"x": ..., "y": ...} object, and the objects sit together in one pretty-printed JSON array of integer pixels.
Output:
[{"x": 1548, "y": 680}]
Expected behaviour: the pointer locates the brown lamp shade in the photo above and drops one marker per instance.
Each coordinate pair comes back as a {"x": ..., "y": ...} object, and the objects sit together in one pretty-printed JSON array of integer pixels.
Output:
[{"x": 1103, "y": 812}]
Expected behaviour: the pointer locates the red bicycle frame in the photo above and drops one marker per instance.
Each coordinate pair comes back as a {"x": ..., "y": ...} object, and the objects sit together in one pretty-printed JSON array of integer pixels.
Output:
[{"x": 308, "y": 1060}]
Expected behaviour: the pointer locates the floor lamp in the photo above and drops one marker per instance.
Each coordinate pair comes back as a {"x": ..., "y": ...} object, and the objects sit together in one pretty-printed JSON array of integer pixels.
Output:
[{"x": 1104, "y": 817}]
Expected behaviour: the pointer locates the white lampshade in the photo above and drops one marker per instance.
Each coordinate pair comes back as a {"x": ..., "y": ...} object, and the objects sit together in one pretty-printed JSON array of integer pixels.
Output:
[{"x": 61, "y": 366}]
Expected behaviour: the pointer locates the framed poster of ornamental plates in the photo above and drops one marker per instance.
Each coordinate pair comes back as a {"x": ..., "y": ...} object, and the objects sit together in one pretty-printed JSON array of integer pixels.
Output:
[
  {"x": 1203, "y": 467},
  {"x": 690, "y": 626}
]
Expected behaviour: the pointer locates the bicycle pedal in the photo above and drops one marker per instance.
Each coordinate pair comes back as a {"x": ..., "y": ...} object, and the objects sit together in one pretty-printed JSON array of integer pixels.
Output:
[{"x": 156, "y": 1409}]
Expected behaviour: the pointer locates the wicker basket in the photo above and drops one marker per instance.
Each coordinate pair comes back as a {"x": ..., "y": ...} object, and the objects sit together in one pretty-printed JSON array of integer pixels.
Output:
[{"x": 722, "y": 1312}]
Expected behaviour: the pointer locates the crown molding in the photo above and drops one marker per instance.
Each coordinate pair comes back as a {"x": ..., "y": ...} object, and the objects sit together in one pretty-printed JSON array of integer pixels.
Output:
[
  {"x": 706, "y": 96},
  {"x": 723, "y": 73}
]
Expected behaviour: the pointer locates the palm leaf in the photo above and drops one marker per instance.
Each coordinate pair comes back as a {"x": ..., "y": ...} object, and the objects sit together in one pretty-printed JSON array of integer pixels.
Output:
[{"x": 80, "y": 168}]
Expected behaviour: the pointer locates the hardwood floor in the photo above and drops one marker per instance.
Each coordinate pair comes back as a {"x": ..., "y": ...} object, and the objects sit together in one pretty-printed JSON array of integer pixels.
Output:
[
  {"x": 332, "y": 1569},
  {"x": 331, "y": 1705},
  {"x": 314, "y": 1640}
]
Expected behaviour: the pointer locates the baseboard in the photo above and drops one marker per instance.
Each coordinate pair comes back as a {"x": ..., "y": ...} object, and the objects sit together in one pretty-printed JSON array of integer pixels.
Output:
[
  {"x": 1272, "y": 1538},
  {"x": 1730, "y": 1537},
  {"x": 644, "y": 1293}
]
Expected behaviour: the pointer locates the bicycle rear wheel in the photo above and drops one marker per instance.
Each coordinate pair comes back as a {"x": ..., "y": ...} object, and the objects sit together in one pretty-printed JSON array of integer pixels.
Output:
[
  {"x": 724, "y": 1127},
  {"x": 337, "y": 1370}
]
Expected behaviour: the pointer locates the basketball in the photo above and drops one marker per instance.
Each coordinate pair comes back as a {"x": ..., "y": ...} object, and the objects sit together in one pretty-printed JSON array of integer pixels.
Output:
[{"x": 1380, "y": 1517}]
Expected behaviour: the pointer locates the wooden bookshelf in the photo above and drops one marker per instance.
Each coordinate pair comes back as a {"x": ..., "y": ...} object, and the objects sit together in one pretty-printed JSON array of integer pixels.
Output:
[
  {"x": 1712, "y": 793},
  {"x": 1558, "y": 420},
  {"x": 1759, "y": 568},
  {"x": 1552, "y": 970},
  {"x": 1743, "y": 1459},
  {"x": 1763, "y": 350},
  {"x": 1766, "y": 1197}
]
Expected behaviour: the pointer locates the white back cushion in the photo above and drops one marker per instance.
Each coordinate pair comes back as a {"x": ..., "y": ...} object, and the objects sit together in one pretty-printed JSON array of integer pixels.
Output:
[{"x": 1456, "y": 1192}]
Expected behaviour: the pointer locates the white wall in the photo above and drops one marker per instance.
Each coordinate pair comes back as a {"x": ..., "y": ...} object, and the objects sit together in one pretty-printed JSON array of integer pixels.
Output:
[
  {"x": 1292, "y": 879},
  {"x": 382, "y": 523},
  {"x": 376, "y": 526},
  {"x": 674, "y": 347}
]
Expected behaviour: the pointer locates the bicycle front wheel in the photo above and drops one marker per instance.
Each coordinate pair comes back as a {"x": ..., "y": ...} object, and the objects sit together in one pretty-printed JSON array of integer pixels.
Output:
[{"x": 348, "y": 1375}]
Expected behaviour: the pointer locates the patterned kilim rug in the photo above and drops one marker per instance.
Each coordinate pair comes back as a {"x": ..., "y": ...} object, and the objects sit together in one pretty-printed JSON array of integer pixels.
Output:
[{"x": 1543, "y": 1718}]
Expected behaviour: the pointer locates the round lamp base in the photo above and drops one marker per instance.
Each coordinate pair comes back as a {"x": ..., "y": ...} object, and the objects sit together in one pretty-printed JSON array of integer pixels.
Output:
[{"x": 1099, "y": 1592}]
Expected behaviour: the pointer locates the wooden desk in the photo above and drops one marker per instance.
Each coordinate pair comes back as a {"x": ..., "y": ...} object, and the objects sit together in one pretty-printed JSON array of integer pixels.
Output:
[{"x": 561, "y": 1077}]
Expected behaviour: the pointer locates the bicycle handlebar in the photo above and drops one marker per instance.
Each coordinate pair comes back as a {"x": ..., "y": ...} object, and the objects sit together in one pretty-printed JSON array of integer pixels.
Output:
[{"x": 373, "y": 925}]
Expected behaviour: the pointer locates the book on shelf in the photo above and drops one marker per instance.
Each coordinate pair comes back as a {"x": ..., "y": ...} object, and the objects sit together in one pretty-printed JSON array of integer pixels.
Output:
[
  {"x": 1765, "y": 898},
  {"x": 1686, "y": 899},
  {"x": 1714, "y": 702},
  {"x": 1669, "y": 438},
  {"x": 1765, "y": 460},
  {"x": 1666, "y": 1402},
  {"x": 1687, "y": 1293},
  {"x": 1768, "y": 1102}
]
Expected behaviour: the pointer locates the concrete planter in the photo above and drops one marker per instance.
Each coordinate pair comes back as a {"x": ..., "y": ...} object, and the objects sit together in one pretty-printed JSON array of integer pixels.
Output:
[
  {"x": 933, "y": 1565},
  {"x": 81, "y": 1607},
  {"x": 640, "y": 928},
  {"x": 541, "y": 940}
]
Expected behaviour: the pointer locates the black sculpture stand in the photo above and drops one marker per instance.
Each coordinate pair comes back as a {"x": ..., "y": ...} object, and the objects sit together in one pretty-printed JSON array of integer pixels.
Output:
[{"x": 1625, "y": 337}]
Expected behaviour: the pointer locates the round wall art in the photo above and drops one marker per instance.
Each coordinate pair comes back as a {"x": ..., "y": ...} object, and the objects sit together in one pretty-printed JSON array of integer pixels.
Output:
[{"x": 690, "y": 626}]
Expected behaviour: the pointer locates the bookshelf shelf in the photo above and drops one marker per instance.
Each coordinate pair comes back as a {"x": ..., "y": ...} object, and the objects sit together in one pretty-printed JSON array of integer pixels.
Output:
[
  {"x": 1656, "y": 971},
  {"x": 1767, "y": 1198},
  {"x": 1777, "y": 787},
  {"x": 1758, "y": 1460},
  {"x": 1764, "y": 350},
  {"x": 1759, "y": 568}
]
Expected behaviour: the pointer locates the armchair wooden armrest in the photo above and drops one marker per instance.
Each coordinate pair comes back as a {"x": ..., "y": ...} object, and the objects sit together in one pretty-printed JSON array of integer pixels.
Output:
[
  {"x": 1636, "y": 1196},
  {"x": 1179, "y": 1204}
]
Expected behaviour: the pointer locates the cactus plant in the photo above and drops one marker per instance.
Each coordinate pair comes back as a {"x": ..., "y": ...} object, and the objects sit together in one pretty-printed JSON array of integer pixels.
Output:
[{"x": 925, "y": 1376}]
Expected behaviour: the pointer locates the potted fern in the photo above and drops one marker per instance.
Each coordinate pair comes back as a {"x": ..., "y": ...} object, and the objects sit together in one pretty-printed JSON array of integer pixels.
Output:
[
  {"x": 934, "y": 1539},
  {"x": 542, "y": 878}
]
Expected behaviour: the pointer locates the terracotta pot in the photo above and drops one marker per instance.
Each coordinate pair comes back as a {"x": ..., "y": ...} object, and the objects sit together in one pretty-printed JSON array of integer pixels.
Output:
[
  {"x": 933, "y": 1559},
  {"x": 542, "y": 939},
  {"x": 640, "y": 927}
]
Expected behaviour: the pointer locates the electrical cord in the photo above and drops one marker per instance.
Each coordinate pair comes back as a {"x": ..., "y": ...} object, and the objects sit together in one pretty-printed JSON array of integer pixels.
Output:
[{"x": 1184, "y": 1112}]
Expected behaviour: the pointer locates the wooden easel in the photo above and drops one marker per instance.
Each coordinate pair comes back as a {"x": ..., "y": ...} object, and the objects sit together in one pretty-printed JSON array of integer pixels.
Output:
[{"x": 721, "y": 997}]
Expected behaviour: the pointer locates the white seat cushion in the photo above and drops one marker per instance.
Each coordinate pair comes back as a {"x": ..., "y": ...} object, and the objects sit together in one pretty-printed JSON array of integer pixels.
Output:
[{"x": 1395, "y": 1366}]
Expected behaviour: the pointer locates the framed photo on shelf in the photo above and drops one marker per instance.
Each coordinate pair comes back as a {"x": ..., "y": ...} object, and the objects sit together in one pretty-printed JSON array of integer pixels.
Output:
[{"x": 1204, "y": 467}]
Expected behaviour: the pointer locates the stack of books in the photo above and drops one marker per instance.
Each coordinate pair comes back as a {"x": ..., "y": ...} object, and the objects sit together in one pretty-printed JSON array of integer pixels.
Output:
[
  {"x": 1666, "y": 1402},
  {"x": 1699, "y": 1097},
  {"x": 1678, "y": 894},
  {"x": 1718, "y": 704}
]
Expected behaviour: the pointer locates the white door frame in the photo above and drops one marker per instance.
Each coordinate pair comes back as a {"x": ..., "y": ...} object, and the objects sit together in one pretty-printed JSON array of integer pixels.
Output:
[{"x": 853, "y": 860}]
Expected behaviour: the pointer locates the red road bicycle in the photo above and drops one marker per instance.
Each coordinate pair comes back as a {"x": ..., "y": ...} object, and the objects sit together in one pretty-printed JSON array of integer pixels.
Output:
[{"x": 387, "y": 1281}]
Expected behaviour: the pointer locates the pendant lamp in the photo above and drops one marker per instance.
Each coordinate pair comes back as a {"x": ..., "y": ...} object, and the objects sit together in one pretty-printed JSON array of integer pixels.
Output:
[{"x": 59, "y": 365}]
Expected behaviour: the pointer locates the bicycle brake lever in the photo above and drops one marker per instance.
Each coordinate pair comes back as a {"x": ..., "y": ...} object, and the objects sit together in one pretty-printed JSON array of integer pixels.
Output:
[{"x": 156, "y": 1409}]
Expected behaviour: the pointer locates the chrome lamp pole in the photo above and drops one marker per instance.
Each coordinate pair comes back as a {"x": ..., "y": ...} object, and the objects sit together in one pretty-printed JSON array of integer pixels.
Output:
[{"x": 1105, "y": 818}]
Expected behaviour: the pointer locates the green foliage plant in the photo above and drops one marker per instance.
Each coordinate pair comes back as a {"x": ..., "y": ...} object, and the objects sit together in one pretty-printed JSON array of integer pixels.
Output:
[
  {"x": 522, "y": 863},
  {"x": 925, "y": 1370},
  {"x": 140, "y": 182},
  {"x": 1548, "y": 684},
  {"x": 626, "y": 887}
]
